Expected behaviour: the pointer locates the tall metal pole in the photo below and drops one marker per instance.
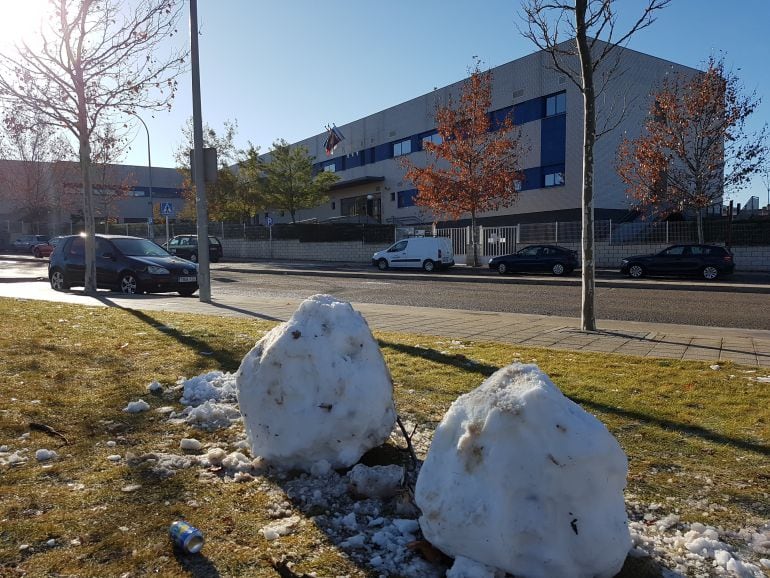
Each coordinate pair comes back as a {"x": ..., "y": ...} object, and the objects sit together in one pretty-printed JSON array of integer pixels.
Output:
[
  {"x": 151, "y": 220},
  {"x": 204, "y": 278}
]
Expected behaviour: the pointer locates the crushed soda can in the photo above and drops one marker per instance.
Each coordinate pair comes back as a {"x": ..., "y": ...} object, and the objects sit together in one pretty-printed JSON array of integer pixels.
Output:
[{"x": 186, "y": 537}]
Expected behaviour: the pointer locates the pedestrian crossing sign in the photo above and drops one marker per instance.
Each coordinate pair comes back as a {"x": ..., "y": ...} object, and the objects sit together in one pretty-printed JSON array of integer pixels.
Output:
[{"x": 166, "y": 209}]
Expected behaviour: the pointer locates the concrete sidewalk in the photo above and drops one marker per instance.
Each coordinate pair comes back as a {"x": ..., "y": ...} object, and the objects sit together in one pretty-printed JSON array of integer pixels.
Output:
[{"x": 687, "y": 342}]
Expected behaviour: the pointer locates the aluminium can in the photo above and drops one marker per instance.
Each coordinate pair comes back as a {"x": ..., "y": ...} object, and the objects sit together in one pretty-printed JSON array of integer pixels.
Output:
[{"x": 186, "y": 537}]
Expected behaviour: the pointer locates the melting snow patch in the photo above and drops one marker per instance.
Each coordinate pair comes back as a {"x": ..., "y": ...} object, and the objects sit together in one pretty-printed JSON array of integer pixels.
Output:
[
  {"x": 136, "y": 406},
  {"x": 280, "y": 528},
  {"x": 43, "y": 455},
  {"x": 212, "y": 386}
]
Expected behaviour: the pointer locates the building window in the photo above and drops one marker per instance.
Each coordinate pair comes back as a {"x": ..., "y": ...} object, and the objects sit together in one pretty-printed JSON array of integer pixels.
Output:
[
  {"x": 329, "y": 166},
  {"x": 392, "y": 196},
  {"x": 556, "y": 104},
  {"x": 402, "y": 147},
  {"x": 554, "y": 179},
  {"x": 406, "y": 198},
  {"x": 433, "y": 138},
  {"x": 334, "y": 205}
]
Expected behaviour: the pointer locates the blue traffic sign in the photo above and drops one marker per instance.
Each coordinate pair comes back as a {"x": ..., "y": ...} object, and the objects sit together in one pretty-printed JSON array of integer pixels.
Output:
[
  {"x": 269, "y": 221},
  {"x": 166, "y": 209}
]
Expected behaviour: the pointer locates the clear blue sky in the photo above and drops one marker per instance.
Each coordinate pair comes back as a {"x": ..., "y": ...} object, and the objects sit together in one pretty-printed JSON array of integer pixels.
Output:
[{"x": 284, "y": 69}]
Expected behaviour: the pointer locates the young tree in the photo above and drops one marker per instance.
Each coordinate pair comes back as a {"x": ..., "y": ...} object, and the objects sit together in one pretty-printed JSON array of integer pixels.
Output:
[
  {"x": 289, "y": 183},
  {"x": 475, "y": 167},
  {"x": 30, "y": 183},
  {"x": 591, "y": 23},
  {"x": 96, "y": 59},
  {"x": 231, "y": 197},
  {"x": 696, "y": 147}
]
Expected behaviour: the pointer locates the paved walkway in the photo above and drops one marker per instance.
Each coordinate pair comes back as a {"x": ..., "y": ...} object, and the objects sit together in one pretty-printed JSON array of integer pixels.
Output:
[{"x": 687, "y": 342}]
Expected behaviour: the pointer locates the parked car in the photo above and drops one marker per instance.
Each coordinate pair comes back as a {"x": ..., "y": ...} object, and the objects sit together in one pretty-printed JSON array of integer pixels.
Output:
[
  {"x": 24, "y": 243},
  {"x": 45, "y": 249},
  {"x": 125, "y": 264},
  {"x": 537, "y": 258},
  {"x": 428, "y": 253},
  {"x": 708, "y": 261},
  {"x": 186, "y": 247}
]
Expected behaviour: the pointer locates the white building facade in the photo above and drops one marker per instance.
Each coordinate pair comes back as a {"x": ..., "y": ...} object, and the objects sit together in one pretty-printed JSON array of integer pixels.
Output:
[{"x": 545, "y": 105}]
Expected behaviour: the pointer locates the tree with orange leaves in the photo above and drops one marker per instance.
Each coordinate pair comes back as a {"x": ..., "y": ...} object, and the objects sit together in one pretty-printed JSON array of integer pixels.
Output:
[
  {"x": 696, "y": 146},
  {"x": 476, "y": 166}
]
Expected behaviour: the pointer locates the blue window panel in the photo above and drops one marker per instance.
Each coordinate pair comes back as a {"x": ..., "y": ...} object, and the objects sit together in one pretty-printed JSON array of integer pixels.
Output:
[
  {"x": 383, "y": 152},
  {"x": 406, "y": 198},
  {"x": 553, "y": 140},
  {"x": 532, "y": 179},
  {"x": 354, "y": 160},
  {"x": 339, "y": 164},
  {"x": 528, "y": 110},
  {"x": 496, "y": 117},
  {"x": 552, "y": 176}
]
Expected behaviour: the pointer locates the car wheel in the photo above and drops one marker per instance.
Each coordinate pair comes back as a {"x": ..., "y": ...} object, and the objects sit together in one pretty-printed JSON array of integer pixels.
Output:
[
  {"x": 428, "y": 265},
  {"x": 382, "y": 264},
  {"x": 36, "y": 252},
  {"x": 557, "y": 269},
  {"x": 57, "y": 280},
  {"x": 194, "y": 258},
  {"x": 710, "y": 272},
  {"x": 502, "y": 269},
  {"x": 636, "y": 271},
  {"x": 187, "y": 292},
  {"x": 128, "y": 284}
]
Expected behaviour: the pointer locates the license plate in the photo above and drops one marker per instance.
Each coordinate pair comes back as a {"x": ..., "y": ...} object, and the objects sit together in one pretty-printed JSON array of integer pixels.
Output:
[{"x": 188, "y": 279}]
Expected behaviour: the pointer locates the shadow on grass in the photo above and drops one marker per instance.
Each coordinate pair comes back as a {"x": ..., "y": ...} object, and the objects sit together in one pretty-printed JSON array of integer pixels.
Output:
[
  {"x": 457, "y": 360},
  {"x": 246, "y": 312},
  {"x": 224, "y": 357},
  {"x": 691, "y": 430},
  {"x": 196, "y": 565}
]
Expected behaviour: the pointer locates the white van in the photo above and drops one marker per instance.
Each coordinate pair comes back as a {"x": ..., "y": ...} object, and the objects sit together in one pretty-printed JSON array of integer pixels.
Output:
[{"x": 427, "y": 252}]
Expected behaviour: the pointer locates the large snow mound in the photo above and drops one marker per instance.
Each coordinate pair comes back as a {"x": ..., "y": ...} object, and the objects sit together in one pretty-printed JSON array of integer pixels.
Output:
[
  {"x": 316, "y": 388},
  {"x": 520, "y": 478}
]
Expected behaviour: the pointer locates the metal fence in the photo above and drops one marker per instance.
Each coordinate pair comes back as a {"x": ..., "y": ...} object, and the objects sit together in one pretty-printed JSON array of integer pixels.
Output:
[{"x": 495, "y": 240}]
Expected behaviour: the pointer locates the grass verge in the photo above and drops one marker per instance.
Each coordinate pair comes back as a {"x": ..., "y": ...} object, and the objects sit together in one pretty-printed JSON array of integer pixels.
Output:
[{"x": 697, "y": 439}]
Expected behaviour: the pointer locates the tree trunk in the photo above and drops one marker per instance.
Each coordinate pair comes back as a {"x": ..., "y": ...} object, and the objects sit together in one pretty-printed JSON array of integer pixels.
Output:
[
  {"x": 474, "y": 241},
  {"x": 699, "y": 220},
  {"x": 88, "y": 214},
  {"x": 587, "y": 312}
]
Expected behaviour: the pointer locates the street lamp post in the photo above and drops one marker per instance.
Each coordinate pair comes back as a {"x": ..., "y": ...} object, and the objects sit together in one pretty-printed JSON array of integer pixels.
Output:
[{"x": 151, "y": 220}]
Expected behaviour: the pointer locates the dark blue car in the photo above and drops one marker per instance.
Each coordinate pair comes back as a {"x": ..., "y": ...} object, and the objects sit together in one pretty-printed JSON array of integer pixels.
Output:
[
  {"x": 707, "y": 261},
  {"x": 126, "y": 264},
  {"x": 537, "y": 259}
]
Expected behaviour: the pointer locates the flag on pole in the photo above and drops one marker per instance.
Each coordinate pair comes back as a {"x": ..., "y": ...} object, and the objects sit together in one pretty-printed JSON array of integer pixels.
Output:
[{"x": 333, "y": 138}]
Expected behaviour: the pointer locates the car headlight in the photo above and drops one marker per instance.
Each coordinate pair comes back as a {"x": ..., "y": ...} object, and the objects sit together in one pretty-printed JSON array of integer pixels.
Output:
[
  {"x": 156, "y": 270},
  {"x": 490, "y": 261}
]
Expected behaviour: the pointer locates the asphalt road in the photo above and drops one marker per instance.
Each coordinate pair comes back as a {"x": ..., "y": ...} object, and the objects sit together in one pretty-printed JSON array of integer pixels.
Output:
[
  {"x": 650, "y": 303},
  {"x": 684, "y": 303}
]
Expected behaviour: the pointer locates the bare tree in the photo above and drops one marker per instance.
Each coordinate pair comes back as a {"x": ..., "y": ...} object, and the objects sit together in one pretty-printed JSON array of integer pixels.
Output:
[
  {"x": 29, "y": 180},
  {"x": 96, "y": 60},
  {"x": 589, "y": 27}
]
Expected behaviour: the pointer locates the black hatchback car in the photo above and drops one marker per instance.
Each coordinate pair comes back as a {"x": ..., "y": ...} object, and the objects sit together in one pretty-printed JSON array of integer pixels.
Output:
[
  {"x": 186, "y": 247},
  {"x": 125, "y": 264},
  {"x": 708, "y": 261},
  {"x": 537, "y": 258}
]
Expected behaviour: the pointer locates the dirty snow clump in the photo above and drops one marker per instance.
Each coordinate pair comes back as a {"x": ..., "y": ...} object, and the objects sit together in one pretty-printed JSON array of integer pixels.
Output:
[
  {"x": 316, "y": 388},
  {"x": 211, "y": 386},
  {"x": 521, "y": 479},
  {"x": 136, "y": 406}
]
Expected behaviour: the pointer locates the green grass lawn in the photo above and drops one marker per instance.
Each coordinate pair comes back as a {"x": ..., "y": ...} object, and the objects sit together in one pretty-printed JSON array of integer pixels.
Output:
[{"x": 693, "y": 435}]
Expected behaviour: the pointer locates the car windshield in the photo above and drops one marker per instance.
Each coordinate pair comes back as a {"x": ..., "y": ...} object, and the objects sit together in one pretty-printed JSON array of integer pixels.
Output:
[{"x": 139, "y": 248}]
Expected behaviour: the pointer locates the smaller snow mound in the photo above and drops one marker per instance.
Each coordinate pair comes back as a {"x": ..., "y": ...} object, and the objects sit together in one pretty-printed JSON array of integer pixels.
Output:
[{"x": 522, "y": 479}]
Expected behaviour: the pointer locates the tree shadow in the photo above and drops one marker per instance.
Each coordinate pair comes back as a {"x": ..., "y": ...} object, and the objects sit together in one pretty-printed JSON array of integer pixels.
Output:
[
  {"x": 224, "y": 357},
  {"x": 457, "y": 360},
  {"x": 246, "y": 312},
  {"x": 196, "y": 565},
  {"x": 691, "y": 430}
]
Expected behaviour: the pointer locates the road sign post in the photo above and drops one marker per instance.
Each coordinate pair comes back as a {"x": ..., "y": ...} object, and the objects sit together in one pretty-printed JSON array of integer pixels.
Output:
[{"x": 166, "y": 209}]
